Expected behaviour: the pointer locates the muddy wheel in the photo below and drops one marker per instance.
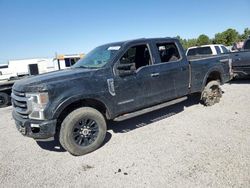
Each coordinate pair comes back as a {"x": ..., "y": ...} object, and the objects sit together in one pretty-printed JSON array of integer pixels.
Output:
[{"x": 211, "y": 93}]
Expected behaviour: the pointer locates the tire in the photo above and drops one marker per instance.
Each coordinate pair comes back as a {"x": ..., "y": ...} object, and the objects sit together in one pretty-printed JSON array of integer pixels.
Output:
[
  {"x": 83, "y": 131},
  {"x": 211, "y": 93},
  {"x": 4, "y": 99}
]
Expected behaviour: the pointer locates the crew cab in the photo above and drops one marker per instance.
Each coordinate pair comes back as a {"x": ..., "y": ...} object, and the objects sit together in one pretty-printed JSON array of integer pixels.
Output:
[
  {"x": 114, "y": 81},
  {"x": 241, "y": 60}
]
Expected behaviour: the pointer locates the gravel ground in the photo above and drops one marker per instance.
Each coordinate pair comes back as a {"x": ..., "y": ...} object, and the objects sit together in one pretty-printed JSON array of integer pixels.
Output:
[{"x": 186, "y": 145}]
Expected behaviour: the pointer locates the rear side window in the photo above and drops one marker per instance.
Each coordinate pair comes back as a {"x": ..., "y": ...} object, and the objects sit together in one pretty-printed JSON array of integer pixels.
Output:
[
  {"x": 224, "y": 49},
  {"x": 217, "y": 48},
  {"x": 247, "y": 45},
  {"x": 168, "y": 52},
  {"x": 199, "y": 51}
]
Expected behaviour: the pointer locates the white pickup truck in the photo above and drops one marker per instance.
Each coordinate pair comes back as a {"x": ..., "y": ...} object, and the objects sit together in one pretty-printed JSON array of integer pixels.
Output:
[{"x": 211, "y": 49}]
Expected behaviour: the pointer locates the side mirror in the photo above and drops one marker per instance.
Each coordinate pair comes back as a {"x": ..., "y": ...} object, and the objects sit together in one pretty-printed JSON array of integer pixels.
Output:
[{"x": 126, "y": 69}]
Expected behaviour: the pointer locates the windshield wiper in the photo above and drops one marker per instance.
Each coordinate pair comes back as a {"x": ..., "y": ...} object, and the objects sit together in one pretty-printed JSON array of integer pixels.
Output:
[
  {"x": 85, "y": 67},
  {"x": 82, "y": 66}
]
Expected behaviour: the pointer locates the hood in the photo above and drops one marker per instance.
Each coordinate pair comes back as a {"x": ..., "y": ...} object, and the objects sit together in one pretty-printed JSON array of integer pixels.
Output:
[{"x": 41, "y": 82}]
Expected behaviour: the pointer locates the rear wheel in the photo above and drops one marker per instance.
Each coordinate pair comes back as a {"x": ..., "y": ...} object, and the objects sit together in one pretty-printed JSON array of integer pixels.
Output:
[
  {"x": 83, "y": 131},
  {"x": 211, "y": 93},
  {"x": 4, "y": 99}
]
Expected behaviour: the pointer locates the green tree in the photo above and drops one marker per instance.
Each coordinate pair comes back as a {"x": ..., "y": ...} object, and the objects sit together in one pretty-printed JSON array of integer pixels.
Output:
[
  {"x": 219, "y": 38},
  {"x": 245, "y": 35},
  {"x": 227, "y": 37},
  {"x": 183, "y": 42},
  {"x": 191, "y": 42},
  {"x": 203, "y": 40}
]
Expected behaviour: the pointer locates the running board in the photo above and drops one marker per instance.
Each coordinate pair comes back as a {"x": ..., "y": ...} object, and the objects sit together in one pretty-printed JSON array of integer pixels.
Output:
[{"x": 150, "y": 109}]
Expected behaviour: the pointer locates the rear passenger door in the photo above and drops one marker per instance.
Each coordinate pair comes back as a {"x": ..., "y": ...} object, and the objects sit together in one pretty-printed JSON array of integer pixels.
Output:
[{"x": 173, "y": 70}]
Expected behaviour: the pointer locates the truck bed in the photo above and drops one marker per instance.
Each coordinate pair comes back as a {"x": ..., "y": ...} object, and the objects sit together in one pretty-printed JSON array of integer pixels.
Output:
[{"x": 202, "y": 65}]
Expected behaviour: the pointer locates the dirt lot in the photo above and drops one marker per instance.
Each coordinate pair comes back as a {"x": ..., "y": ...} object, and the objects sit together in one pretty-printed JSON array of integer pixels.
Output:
[{"x": 186, "y": 145}]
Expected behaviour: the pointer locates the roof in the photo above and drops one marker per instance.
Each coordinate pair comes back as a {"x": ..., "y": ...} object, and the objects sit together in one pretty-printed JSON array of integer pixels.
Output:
[
  {"x": 139, "y": 40},
  {"x": 205, "y": 46}
]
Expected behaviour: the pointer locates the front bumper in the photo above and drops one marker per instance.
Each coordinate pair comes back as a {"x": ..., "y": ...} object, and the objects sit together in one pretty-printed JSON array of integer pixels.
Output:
[{"x": 34, "y": 128}]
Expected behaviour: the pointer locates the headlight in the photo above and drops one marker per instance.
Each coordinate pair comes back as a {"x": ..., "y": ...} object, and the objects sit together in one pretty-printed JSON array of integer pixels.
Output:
[{"x": 36, "y": 104}]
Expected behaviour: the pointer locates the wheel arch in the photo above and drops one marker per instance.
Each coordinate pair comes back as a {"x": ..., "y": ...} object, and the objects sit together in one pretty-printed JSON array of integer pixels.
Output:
[
  {"x": 213, "y": 74},
  {"x": 73, "y": 103}
]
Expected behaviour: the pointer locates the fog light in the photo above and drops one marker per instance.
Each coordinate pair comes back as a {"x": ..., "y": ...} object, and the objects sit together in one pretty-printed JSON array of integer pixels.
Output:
[
  {"x": 35, "y": 128},
  {"x": 34, "y": 125}
]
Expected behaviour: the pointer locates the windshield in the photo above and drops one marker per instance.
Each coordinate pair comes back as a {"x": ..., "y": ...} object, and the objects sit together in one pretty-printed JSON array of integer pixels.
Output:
[{"x": 98, "y": 57}]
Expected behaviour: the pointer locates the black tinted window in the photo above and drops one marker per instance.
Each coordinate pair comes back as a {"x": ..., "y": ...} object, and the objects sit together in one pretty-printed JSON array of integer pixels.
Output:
[
  {"x": 217, "y": 48},
  {"x": 200, "y": 51},
  {"x": 3, "y": 66},
  {"x": 247, "y": 45},
  {"x": 224, "y": 49},
  {"x": 168, "y": 52},
  {"x": 67, "y": 62}
]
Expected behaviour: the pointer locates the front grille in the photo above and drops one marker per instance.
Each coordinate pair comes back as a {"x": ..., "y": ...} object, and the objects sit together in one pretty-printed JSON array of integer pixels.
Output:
[{"x": 19, "y": 102}]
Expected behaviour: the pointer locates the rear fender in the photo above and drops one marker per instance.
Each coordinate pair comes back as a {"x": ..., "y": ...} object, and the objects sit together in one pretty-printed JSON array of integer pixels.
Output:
[{"x": 212, "y": 70}]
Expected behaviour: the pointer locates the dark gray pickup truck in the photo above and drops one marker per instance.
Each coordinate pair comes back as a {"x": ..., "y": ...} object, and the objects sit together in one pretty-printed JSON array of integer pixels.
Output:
[
  {"x": 241, "y": 61},
  {"x": 113, "y": 82}
]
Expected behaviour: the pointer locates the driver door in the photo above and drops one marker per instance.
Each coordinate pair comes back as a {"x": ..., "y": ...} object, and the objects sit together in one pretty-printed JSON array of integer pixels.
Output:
[{"x": 132, "y": 83}]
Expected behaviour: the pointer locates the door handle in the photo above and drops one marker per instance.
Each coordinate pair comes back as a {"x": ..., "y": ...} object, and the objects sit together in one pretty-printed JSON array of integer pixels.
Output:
[{"x": 155, "y": 74}]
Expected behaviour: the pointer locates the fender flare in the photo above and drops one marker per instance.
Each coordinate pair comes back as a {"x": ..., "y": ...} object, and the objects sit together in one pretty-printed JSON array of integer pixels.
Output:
[
  {"x": 65, "y": 103},
  {"x": 218, "y": 69}
]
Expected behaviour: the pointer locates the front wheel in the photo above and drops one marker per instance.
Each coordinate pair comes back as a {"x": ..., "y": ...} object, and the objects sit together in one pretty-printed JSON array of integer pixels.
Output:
[
  {"x": 211, "y": 93},
  {"x": 83, "y": 131}
]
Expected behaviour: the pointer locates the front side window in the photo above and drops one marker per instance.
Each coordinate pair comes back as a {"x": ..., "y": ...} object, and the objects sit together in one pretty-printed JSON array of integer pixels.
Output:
[
  {"x": 168, "y": 52},
  {"x": 139, "y": 55},
  {"x": 98, "y": 57}
]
